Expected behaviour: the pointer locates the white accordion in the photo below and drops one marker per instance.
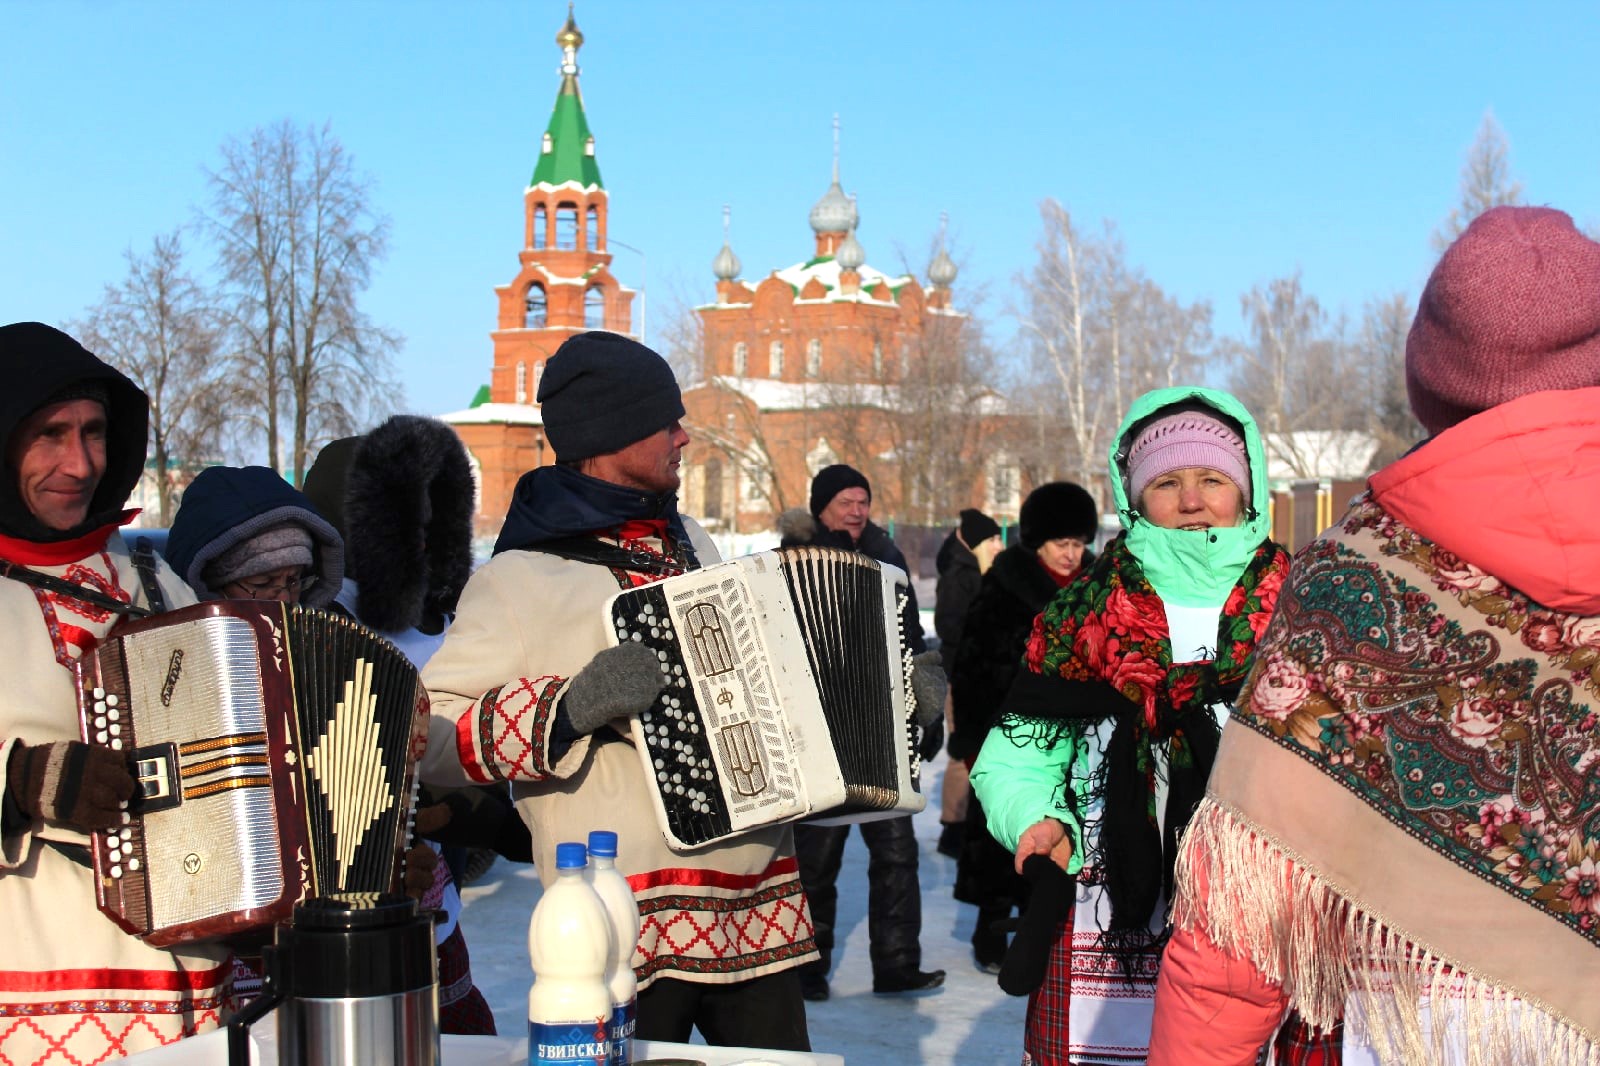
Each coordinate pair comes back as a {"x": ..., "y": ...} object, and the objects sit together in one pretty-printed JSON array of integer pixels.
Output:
[{"x": 788, "y": 698}]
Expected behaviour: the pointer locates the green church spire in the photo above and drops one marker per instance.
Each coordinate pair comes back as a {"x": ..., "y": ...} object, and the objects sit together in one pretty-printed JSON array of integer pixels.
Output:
[{"x": 567, "y": 153}]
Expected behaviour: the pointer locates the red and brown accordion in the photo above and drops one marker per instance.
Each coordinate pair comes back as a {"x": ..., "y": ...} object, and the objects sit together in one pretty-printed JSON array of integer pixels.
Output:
[{"x": 275, "y": 749}]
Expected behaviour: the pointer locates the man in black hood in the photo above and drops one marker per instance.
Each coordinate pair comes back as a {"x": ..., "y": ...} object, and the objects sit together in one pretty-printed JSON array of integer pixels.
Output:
[
  {"x": 528, "y": 688},
  {"x": 72, "y": 983},
  {"x": 841, "y": 505}
]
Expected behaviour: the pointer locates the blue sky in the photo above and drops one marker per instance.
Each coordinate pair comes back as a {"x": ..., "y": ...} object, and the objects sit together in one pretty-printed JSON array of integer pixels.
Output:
[{"x": 1230, "y": 143}]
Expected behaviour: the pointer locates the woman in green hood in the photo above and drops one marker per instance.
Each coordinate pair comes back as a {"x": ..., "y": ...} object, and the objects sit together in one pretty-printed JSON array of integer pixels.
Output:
[{"x": 1107, "y": 736}]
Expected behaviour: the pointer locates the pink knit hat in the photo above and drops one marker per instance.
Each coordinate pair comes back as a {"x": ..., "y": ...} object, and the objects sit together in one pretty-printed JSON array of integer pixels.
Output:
[
  {"x": 1186, "y": 438},
  {"x": 1513, "y": 307}
]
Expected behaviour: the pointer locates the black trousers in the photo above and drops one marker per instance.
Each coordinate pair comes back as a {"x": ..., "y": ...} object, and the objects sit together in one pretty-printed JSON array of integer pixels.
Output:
[
  {"x": 764, "y": 1012},
  {"x": 894, "y": 898}
]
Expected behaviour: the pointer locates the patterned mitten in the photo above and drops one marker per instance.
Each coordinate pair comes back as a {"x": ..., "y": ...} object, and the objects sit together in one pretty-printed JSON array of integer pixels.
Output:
[
  {"x": 75, "y": 784},
  {"x": 928, "y": 686},
  {"x": 1049, "y": 904},
  {"x": 617, "y": 682}
]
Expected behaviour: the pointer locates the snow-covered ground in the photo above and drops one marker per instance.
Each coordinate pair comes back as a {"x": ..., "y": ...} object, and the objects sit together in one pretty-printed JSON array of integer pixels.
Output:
[{"x": 967, "y": 1021}]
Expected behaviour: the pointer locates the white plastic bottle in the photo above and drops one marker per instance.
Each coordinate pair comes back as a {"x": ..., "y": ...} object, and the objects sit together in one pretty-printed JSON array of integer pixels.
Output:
[
  {"x": 623, "y": 910},
  {"x": 569, "y": 943}
]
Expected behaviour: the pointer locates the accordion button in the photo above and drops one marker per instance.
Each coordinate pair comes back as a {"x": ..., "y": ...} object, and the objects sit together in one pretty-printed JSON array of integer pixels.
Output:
[
  {"x": 111, "y": 700},
  {"x": 660, "y": 764},
  {"x": 99, "y": 706},
  {"x": 102, "y": 736},
  {"x": 133, "y": 864},
  {"x": 126, "y": 817},
  {"x": 116, "y": 730},
  {"x": 99, "y": 693},
  {"x": 115, "y": 851},
  {"x": 114, "y": 715},
  {"x": 116, "y": 744},
  {"x": 116, "y": 872},
  {"x": 99, "y": 721}
]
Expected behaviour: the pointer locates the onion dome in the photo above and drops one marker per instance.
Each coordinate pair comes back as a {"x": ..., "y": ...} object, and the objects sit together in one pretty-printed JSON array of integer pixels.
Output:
[
  {"x": 726, "y": 265},
  {"x": 835, "y": 212},
  {"x": 850, "y": 255},
  {"x": 569, "y": 36},
  {"x": 942, "y": 271}
]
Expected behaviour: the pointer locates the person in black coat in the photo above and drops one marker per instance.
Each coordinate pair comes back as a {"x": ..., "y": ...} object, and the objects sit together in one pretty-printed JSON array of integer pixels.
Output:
[
  {"x": 840, "y": 517},
  {"x": 963, "y": 557},
  {"x": 1057, "y": 524}
]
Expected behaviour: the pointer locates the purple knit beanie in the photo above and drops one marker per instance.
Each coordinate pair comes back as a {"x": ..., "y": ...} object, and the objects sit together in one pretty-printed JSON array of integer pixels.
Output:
[
  {"x": 1513, "y": 307},
  {"x": 1182, "y": 439}
]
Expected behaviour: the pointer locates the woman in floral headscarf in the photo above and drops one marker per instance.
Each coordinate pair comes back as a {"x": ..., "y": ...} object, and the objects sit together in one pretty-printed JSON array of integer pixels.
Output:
[
  {"x": 1404, "y": 825},
  {"x": 1108, "y": 733}
]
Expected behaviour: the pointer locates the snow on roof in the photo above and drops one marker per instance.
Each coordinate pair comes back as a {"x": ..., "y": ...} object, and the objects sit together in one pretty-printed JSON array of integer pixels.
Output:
[
  {"x": 1319, "y": 453},
  {"x": 770, "y": 395},
  {"x": 516, "y": 414},
  {"x": 826, "y": 270}
]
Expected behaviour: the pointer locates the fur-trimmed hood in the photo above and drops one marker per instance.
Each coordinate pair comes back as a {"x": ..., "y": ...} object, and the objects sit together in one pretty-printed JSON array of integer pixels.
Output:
[{"x": 407, "y": 506}]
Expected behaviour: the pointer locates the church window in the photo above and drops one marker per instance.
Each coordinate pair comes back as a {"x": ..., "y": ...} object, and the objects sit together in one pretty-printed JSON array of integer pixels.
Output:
[
  {"x": 535, "y": 315},
  {"x": 594, "y": 308},
  {"x": 877, "y": 359},
  {"x": 566, "y": 227},
  {"x": 813, "y": 358},
  {"x": 775, "y": 359},
  {"x": 539, "y": 226},
  {"x": 591, "y": 237},
  {"x": 741, "y": 359},
  {"x": 546, "y": 145},
  {"x": 588, "y": 148},
  {"x": 522, "y": 382},
  {"x": 538, "y": 375}
]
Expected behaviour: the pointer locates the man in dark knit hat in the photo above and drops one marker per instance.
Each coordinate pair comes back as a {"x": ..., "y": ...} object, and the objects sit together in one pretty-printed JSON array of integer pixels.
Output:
[
  {"x": 73, "y": 985},
  {"x": 841, "y": 505},
  {"x": 528, "y": 689}
]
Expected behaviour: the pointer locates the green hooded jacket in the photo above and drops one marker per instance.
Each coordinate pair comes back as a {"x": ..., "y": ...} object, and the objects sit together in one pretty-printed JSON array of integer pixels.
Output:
[{"x": 1020, "y": 785}]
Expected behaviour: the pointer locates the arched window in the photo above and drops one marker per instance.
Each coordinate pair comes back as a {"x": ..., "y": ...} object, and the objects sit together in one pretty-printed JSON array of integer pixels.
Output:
[
  {"x": 813, "y": 358},
  {"x": 566, "y": 227},
  {"x": 538, "y": 375},
  {"x": 522, "y": 382},
  {"x": 538, "y": 226},
  {"x": 594, "y": 308},
  {"x": 591, "y": 236},
  {"x": 877, "y": 360},
  {"x": 534, "y": 316},
  {"x": 741, "y": 359},
  {"x": 775, "y": 359}
]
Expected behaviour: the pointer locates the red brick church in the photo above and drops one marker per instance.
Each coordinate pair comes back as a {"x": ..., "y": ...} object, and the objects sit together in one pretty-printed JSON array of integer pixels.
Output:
[{"x": 827, "y": 360}]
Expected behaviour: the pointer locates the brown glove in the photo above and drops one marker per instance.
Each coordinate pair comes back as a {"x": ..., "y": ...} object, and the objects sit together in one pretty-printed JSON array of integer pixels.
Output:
[
  {"x": 80, "y": 785},
  {"x": 420, "y": 862}
]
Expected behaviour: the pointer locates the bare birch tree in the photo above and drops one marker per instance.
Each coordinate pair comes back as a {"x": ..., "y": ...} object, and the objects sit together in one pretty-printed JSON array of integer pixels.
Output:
[
  {"x": 1486, "y": 181},
  {"x": 158, "y": 326},
  {"x": 298, "y": 240},
  {"x": 1381, "y": 347}
]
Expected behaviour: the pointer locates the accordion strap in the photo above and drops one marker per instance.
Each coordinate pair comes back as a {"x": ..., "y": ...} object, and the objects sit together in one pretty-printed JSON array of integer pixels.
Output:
[
  {"x": 62, "y": 587},
  {"x": 144, "y": 561},
  {"x": 590, "y": 550}
]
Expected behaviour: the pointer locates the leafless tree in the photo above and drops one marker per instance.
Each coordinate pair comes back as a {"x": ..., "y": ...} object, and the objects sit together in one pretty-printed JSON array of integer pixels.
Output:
[
  {"x": 1381, "y": 348},
  {"x": 298, "y": 239},
  {"x": 1296, "y": 371},
  {"x": 158, "y": 326},
  {"x": 1486, "y": 181}
]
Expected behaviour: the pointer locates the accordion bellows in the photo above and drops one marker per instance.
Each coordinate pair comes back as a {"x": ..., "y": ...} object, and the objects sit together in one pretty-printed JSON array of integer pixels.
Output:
[
  {"x": 788, "y": 694},
  {"x": 275, "y": 748}
]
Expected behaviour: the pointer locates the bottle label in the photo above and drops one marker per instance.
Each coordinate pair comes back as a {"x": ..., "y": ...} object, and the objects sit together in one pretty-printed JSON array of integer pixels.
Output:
[
  {"x": 568, "y": 1042},
  {"x": 622, "y": 1022}
]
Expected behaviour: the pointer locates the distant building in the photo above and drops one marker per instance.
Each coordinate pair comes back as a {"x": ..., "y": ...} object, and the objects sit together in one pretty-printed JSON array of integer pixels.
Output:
[
  {"x": 824, "y": 361},
  {"x": 563, "y": 286}
]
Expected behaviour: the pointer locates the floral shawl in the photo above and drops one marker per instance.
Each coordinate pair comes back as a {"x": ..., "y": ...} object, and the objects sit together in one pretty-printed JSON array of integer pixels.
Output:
[
  {"x": 1407, "y": 806},
  {"x": 1101, "y": 650}
]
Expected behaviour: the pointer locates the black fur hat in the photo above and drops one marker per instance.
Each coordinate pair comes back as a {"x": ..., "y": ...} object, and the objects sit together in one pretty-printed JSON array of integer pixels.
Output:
[
  {"x": 1057, "y": 509},
  {"x": 408, "y": 508}
]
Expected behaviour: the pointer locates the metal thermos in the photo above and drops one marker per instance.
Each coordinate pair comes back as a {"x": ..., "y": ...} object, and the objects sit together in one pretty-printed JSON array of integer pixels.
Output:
[{"x": 356, "y": 983}]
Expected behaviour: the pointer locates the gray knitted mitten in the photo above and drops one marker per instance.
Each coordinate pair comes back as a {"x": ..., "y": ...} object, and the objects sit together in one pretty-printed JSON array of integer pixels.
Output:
[
  {"x": 617, "y": 682},
  {"x": 928, "y": 685}
]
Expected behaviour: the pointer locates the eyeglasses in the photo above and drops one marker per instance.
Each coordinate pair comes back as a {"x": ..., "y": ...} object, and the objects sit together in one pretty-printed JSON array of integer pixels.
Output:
[{"x": 257, "y": 589}]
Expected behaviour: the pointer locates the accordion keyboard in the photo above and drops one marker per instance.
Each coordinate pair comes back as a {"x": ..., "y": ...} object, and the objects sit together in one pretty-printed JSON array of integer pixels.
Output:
[{"x": 680, "y": 749}]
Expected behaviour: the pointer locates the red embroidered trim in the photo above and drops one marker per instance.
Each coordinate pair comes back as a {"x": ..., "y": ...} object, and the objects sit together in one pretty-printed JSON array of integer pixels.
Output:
[
  {"x": 683, "y": 876},
  {"x": 143, "y": 980}
]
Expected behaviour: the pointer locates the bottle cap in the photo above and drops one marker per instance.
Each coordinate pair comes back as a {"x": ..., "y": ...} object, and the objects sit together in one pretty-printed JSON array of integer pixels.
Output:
[
  {"x": 571, "y": 856},
  {"x": 603, "y": 842}
]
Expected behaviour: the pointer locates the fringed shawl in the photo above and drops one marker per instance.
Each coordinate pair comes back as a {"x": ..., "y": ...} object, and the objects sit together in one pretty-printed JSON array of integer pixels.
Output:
[{"x": 1406, "y": 806}]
